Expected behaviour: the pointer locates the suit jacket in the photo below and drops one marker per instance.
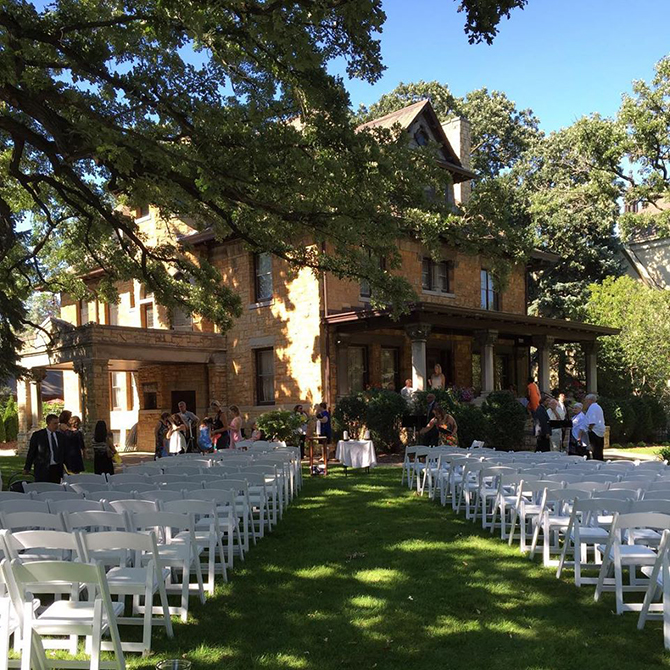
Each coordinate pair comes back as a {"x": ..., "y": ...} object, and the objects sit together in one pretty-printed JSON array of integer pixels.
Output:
[
  {"x": 542, "y": 427},
  {"x": 39, "y": 453}
]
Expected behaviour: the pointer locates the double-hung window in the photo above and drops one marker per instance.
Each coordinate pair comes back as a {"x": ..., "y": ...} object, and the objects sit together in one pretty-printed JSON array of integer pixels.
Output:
[
  {"x": 262, "y": 277},
  {"x": 436, "y": 276},
  {"x": 265, "y": 377},
  {"x": 490, "y": 295}
]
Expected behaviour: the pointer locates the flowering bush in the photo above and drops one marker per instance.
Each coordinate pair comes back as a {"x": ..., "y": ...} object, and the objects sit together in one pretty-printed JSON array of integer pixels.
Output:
[{"x": 280, "y": 424}]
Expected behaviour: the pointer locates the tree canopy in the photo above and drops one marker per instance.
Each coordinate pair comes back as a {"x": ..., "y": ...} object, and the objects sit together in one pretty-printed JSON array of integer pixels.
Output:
[{"x": 222, "y": 114}]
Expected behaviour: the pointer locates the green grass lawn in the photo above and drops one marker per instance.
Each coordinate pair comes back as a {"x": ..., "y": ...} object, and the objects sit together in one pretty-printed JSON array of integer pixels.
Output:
[
  {"x": 361, "y": 573},
  {"x": 643, "y": 451}
]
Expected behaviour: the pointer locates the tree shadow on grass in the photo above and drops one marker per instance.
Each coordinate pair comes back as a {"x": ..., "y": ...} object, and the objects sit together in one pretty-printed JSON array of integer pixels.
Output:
[{"x": 361, "y": 573}]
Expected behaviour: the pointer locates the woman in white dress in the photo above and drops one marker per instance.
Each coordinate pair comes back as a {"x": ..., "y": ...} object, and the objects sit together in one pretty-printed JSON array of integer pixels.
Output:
[
  {"x": 176, "y": 435},
  {"x": 437, "y": 381}
]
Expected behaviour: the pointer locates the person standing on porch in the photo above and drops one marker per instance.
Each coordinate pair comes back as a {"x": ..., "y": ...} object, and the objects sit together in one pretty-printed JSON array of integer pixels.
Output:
[
  {"x": 437, "y": 380},
  {"x": 407, "y": 392},
  {"x": 533, "y": 394},
  {"x": 595, "y": 420},
  {"x": 46, "y": 452}
]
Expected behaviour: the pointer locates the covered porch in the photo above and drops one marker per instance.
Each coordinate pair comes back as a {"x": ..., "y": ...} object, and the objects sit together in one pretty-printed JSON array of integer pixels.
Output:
[
  {"x": 476, "y": 348},
  {"x": 123, "y": 376}
]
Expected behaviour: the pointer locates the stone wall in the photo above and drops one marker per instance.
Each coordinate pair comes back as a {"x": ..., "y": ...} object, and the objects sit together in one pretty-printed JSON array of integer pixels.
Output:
[{"x": 344, "y": 295}]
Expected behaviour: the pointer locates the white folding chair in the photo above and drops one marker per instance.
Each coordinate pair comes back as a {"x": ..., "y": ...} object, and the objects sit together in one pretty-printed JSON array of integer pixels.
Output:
[
  {"x": 41, "y": 487},
  {"x": 584, "y": 531},
  {"x": 132, "y": 487},
  {"x": 505, "y": 500},
  {"x": 183, "y": 555},
  {"x": 258, "y": 497},
  {"x": 161, "y": 495},
  {"x": 92, "y": 618},
  {"x": 31, "y": 521},
  {"x": 134, "y": 577},
  {"x": 68, "y": 506},
  {"x": 25, "y": 505},
  {"x": 225, "y": 501},
  {"x": 85, "y": 478},
  {"x": 131, "y": 506},
  {"x": 127, "y": 478},
  {"x": 50, "y": 496},
  {"x": 209, "y": 539},
  {"x": 109, "y": 496},
  {"x": 659, "y": 585},
  {"x": 620, "y": 554},
  {"x": 528, "y": 505}
]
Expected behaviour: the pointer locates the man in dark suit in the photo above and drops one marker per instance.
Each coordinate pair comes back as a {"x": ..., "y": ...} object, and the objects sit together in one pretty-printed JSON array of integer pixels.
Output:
[
  {"x": 46, "y": 452},
  {"x": 542, "y": 427}
]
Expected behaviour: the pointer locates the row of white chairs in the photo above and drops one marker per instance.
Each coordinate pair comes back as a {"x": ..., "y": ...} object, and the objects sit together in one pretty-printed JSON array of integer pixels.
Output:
[
  {"x": 613, "y": 517},
  {"x": 213, "y": 514}
]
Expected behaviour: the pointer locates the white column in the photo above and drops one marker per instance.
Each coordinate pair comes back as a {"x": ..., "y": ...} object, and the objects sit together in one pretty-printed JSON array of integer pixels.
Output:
[
  {"x": 37, "y": 375},
  {"x": 418, "y": 334},
  {"x": 544, "y": 343},
  {"x": 591, "y": 359},
  {"x": 487, "y": 340}
]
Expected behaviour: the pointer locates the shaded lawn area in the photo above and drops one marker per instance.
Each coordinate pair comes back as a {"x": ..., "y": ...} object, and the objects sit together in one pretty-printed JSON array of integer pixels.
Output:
[
  {"x": 361, "y": 573},
  {"x": 644, "y": 451}
]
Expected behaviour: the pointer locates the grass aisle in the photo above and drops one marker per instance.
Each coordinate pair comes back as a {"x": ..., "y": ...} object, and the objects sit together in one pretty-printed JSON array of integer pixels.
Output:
[{"x": 363, "y": 574}]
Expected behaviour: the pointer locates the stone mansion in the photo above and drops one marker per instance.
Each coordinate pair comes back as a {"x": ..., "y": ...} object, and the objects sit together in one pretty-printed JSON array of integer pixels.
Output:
[{"x": 302, "y": 338}]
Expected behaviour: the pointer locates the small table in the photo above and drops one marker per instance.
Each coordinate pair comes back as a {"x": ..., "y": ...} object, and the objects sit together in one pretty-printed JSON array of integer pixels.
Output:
[
  {"x": 356, "y": 454},
  {"x": 316, "y": 440}
]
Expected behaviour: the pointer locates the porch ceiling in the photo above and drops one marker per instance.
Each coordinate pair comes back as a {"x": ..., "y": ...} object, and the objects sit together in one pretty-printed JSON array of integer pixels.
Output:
[
  {"x": 462, "y": 319},
  {"x": 125, "y": 348}
]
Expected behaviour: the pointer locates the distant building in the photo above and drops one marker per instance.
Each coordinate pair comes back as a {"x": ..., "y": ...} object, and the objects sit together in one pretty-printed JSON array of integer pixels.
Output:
[{"x": 302, "y": 338}]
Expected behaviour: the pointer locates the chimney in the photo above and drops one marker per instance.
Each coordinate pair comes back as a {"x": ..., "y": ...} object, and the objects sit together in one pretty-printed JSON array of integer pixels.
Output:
[{"x": 458, "y": 133}]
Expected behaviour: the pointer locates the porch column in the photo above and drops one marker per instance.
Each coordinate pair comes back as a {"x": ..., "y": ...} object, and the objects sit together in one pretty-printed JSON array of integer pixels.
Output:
[
  {"x": 217, "y": 378},
  {"x": 25, "y": 408},
  {"x": 418, "y": 334},
  {"x": 342, "y": 363},
  {"x": 543, "y": 343},
  {"x": 487, "y": 340},
  {"x": 591, "y": 359},
  {"x": 37, "y": 376},
  {"x": 95, "y": 402}
]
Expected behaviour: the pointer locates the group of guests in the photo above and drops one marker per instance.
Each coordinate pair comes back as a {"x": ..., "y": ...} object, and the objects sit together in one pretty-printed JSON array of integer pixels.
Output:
[
  {"x": 59, "y": 449},
  {"x": 318, "y": 424},
  {"x": 184, "y": 431},
  {"x": 587, "y": 429}
]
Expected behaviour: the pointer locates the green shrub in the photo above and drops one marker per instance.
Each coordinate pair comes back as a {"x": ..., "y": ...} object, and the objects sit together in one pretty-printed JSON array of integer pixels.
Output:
[
  {"x": 446, "y": 398},
  {"x": 507, "y": 420},
  {"x": 349, "y": 414},
  {"x": 280, "y": 424},
  {"x": 616, "y": 446},
  {"x": 664, "y": 454},
  {"x": 11, "y": 420},
  {"x": 472, "y": 424},
  {"x": 52, "y": 407},
  {"x": 383, "y": 417},
  {"x": 3, "y": 437},
  {"x": 643, "y": 425},
  {"x": 659, "y": 419},
  {"x": 620, "y": 417}
]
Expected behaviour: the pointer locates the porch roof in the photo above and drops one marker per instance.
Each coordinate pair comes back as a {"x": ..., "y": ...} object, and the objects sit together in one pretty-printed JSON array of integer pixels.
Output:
[
  {"x": 459, "y": 319},
  {"x": 124, "y": 347}
]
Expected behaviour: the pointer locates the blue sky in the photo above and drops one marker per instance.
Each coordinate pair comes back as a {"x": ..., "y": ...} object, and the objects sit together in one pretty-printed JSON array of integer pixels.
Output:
[{"x": 561, "y": 58}]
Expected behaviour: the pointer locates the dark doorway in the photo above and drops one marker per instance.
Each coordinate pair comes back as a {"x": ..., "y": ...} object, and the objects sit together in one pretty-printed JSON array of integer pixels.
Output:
[
  {"x": 187, "y": 396},
  {"x": 446, "y": 360}
]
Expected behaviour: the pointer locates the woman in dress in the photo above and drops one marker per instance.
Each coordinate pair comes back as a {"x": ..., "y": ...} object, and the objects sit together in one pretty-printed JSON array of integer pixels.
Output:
[
  {"x": 177, "y": 435},
  {"x": 235, "y": 426},
  {"x": 72, "y": 460},
  {"x": 556, "y": 433},
  {"x": 160, "y": 435},
  {"x": 78, "y": 446},
  {"x": 437, "y": 381},
  {"x": 446, "y": 427},
  {"x": 219, "y": 432},
  {"x": 103, "y": 450}
]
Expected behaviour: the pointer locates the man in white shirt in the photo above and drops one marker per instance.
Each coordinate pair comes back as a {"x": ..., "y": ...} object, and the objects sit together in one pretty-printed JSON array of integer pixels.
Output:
[
  {"x": 192, "y": 422},
  {"x": 596, "y": 425},
  {"x": 579, "y": 436},
  {"x": 407, "y": 392}
]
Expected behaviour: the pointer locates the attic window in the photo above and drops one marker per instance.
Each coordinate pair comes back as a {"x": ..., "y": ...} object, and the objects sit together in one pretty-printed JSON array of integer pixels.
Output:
[{"x": 421, "y": 137}]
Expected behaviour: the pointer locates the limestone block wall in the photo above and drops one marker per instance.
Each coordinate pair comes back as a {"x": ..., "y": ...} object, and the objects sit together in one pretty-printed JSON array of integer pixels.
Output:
[
  {"x": 289, "y": 323},
  {"x": 344, "y": 295}
]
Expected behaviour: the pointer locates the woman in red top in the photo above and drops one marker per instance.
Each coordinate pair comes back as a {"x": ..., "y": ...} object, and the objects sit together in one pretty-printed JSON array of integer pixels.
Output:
[{"x": 533, "y": 393}]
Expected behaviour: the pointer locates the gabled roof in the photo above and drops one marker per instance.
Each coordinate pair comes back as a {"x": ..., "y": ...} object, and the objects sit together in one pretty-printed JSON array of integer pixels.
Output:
[{"x": 406, "y": 116}]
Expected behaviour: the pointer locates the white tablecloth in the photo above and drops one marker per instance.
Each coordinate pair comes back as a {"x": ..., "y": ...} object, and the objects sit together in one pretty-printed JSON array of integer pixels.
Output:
[{"x": 356, "y": 454}]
